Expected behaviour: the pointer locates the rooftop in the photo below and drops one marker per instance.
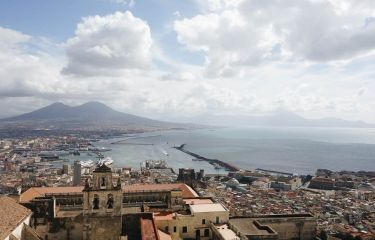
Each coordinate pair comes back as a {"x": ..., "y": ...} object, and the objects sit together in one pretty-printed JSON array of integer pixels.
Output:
[
  {"x": 213, "y": 207},
  {"x": 148, "y": 230},
  {"x": 187, "y": 192},
  {"x": 159, "y": 216},
  {"x": 247, "y": 226},
  {"x": 226, "y": 232},
  {"x": 164, "y": 236},
  {"x": 12, "y": 214},
  {"x": 102, "y": 168},
  {"x": 34, "y": 192},
  {"x": 194, "y": 201}
]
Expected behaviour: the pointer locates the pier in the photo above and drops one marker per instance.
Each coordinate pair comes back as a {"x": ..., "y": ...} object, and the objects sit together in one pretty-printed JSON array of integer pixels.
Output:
[
  {"x": 274, "y": 172},
  {"x": 126, "y": 143},
  {"x": 214, "y": 162}
]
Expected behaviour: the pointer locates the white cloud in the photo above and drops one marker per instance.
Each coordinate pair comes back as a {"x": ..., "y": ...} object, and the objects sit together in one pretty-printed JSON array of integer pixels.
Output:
[
  {"x": 24, "y": 72},
  {"x": 257, "y": 59},
  {"x": 108, "y": 45},
  {"x": 9, "y": 39},
  {"x": 248, "y": 33},
  {"x": 129, "y": 3}
]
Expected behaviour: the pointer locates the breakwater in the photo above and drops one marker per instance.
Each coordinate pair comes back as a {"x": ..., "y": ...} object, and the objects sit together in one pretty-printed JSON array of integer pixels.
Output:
[
  {"x": 275, "y": 172},
  {"x": 215, "y": 162}
]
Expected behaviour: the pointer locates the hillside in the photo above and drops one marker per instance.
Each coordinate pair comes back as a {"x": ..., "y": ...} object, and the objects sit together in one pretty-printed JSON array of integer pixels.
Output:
[{"x": 91, "y": 114}]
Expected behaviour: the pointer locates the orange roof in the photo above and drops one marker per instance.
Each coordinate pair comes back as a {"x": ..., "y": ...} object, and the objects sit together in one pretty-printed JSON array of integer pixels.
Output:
[
  {"x": 148, "y": 230},
  {"x": 12, "y": 215},
  {"x": 187, "y": 192},
  {"x": 159, "y": 216},
  {"x": 35, "y": 192}
]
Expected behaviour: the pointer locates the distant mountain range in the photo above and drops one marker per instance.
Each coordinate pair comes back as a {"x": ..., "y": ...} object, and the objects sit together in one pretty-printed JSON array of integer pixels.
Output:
[
  {"x": 97, "y": 115},
  {"x": 279, "y": 119},
  {"x": 88, "y": 115}
]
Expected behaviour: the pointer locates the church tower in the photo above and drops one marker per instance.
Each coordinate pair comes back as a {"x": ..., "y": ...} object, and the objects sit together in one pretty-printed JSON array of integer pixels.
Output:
[{"x": 102, "y": 203}]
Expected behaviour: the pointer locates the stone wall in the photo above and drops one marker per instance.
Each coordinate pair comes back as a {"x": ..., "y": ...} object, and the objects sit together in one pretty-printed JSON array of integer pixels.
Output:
[{"x": 102, "y": 228}]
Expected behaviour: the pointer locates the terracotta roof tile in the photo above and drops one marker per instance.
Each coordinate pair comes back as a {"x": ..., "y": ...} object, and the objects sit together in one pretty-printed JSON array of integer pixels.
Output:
[
  {"x": 34, "y": 192},
  {"x": 187, "y": 192},
  {"x": 160, "y": 216},
  {"x": 148, "y": 230},
  {"x": 12, "y": 214},
  {"x": 31, "y": 193}
]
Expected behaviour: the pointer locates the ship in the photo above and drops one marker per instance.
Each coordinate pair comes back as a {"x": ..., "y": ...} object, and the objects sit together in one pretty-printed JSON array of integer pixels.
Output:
[
  {"x": 106, "y": 161},
  {"x": 87, "y": 164},
  {"x": 99, "y": 149},
  {"x": 155, "y": 164}
]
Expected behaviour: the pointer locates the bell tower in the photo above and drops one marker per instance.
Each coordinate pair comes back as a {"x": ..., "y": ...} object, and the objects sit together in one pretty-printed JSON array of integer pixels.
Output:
[{"x": 102, "y": 203}]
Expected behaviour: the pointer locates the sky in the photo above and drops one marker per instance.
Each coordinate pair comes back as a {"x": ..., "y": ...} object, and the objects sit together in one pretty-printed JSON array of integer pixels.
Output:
[{"x": 183, "y": 60}]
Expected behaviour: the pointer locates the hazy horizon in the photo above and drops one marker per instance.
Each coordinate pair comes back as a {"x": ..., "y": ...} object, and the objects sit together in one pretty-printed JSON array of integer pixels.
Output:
[{"x": 277, "y": 118}]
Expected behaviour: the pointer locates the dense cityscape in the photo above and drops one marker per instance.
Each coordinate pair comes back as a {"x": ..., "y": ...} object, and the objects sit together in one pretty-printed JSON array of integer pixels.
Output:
[
  {"x": 187, "y": 120},
  {"x": 38, "y": 170}
]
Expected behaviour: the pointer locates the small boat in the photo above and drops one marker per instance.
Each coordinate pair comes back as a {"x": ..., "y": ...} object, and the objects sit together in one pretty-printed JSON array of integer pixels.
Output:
[{"x": 217, "y": 166}]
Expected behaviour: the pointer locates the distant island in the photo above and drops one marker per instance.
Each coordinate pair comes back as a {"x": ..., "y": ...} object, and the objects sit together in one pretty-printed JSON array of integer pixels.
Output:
[{"x": 278, "y": 119}]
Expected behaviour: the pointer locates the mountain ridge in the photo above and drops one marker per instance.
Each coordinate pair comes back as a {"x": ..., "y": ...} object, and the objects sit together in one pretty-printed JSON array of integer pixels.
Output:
[
  {"x": 61, "y": 111},
  {"x": 90, "y": 115},
  {"x": 97, "y": 113},
  {"x": 277, "y": 119}
]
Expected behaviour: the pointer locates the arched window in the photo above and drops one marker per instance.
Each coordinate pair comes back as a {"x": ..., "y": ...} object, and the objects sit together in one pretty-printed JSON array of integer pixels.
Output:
[
  {"x": 110, "y": 201},
  {"x": 95, "y": 202},
  {"x": 103, "y": 182}
]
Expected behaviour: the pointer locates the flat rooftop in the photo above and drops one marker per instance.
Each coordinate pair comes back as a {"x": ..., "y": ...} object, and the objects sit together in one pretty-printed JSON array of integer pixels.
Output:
[
  {"x": 226, "y": 232},
  {"x": 213, "y": 207},
  {"x": 195, "y": 201},
  {"x": 248, "y": 226}
]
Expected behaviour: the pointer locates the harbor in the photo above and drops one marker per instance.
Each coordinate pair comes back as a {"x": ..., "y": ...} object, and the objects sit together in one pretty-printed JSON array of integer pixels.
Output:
[{"x": 218, "y": 164}]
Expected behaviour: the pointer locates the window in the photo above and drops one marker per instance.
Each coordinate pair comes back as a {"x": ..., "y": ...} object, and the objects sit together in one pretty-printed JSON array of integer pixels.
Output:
[
  {"x": 184, "y": 229},
  {"x": 166, "y": 228},
  {"x": 103, "y": 182},
  {"x": 203, "y": 221},
  {"x": 110, "y": 201},
  {"x": 217, "y": 220},
  {"x": 206, "y": 232},
  {"x": 174, "y": 229},
  {"x": 95, "y": 202}
]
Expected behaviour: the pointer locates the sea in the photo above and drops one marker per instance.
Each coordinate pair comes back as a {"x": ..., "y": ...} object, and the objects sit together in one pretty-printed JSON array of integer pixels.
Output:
[{"x": 293, "y": 150}]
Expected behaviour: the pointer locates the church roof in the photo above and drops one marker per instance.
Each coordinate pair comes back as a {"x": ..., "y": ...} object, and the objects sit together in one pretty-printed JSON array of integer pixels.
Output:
[
  {"x": 31, "y": 193},
  {"x": 102, "y": 168},
  {"x": 187, "y": 192},
  {"x": 35, "y": 192}
]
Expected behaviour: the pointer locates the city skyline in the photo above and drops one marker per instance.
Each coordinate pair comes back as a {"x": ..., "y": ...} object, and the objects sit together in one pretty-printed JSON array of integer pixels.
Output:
[{"x": 174, "y": 60}]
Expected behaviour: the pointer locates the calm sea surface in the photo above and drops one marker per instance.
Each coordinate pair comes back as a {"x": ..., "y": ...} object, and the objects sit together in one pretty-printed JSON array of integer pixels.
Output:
[{"x": 296, "y": 150}]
